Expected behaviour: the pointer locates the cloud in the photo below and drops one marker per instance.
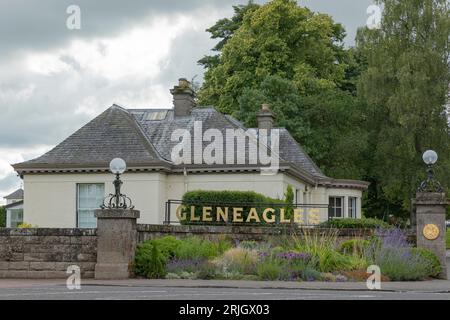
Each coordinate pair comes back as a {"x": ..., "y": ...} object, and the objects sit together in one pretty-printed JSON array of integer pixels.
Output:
[
  {"x": 42, "y": 25},
  {"x": 54, "y": 80},
  {"x": 46, "y": 95}
]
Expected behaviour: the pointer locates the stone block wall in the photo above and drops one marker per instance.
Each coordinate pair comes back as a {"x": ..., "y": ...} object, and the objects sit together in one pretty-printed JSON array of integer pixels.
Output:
[
  {"x": 46, "y": 253},
  {"x": 148, "y": 231}
]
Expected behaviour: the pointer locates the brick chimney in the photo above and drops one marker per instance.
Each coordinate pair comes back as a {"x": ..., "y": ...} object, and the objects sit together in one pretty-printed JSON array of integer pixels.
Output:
[
  {"x": 265, "y": 117},
  {"x": 183, "y": 98}
]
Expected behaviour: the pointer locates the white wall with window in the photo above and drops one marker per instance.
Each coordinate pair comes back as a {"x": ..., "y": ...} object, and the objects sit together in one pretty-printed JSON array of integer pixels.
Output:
[
  {"x": 69, "y": 200},
  {"x": 89, "y": 198},
  {"x": 336, "y": 207},
  {"x": 14, "y": 216},
  {"x": 349, "y": 205}
]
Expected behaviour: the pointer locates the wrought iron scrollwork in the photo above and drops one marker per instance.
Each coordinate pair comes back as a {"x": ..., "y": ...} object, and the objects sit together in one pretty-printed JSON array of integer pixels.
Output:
[
  {"x": 117, "y": 200},
  {"x": 430, "y": 184}
]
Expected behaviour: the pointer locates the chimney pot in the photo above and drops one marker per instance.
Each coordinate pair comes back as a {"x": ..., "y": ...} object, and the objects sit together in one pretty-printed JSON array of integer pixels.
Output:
[
  {"x": 265, "y": 117},
  {"x": 183, "y": 98}
]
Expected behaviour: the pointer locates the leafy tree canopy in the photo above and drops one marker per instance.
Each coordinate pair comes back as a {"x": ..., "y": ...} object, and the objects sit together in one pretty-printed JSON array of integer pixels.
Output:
[
  {"x": 405, "y": 88},
  {"x": 276, "y": 39}
]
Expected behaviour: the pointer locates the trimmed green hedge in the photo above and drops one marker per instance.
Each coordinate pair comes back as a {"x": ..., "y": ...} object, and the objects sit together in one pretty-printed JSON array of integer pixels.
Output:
[
  {"x": 242, "y": 199},
  {"x": 364, "y": 223}
]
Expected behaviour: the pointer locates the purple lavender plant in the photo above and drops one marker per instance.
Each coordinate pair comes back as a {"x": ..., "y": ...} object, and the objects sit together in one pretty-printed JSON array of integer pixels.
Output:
[
  {"x": 176, "y": 265},
  {"x": 395, "y": 257},
  {"x": 294, "y": 256}
]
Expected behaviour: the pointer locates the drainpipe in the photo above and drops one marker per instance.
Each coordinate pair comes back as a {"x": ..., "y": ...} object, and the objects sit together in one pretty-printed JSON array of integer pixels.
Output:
[{"x": 185, "y": 180}]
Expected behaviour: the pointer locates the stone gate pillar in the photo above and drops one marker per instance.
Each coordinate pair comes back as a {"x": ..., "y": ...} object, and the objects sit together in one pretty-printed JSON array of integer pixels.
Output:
[
  {"x": 116, "y": 242},
  {"x": 430, "y": 224}
]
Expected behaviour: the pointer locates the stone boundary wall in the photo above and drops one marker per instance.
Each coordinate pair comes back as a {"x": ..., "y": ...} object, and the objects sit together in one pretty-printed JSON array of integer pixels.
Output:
[
  {"x": 149, "y": 231},
  {"x": 46, "y": 253}
]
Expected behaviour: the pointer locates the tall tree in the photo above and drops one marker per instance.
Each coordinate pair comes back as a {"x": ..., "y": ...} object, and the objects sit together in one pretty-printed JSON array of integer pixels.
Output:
[
  {"x": 405, "y": 88},
  {"x": 328, "y": 125},
  {"x": 293, "y": 59},
  {"x": 224, "y": 29},
  {"x": 276, "y": 39}
]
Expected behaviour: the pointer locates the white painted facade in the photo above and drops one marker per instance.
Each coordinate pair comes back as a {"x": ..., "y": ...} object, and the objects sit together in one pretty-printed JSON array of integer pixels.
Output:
[{"x": 50, "y": 200}]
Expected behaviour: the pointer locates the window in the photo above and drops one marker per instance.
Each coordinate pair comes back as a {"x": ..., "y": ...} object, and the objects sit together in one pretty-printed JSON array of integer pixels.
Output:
[
  {"x": 352, "y": 207},
  {"x": 16, "y": 217},
  {"x": 335, "y": 209},
  {"x": 89, "y": 198}
]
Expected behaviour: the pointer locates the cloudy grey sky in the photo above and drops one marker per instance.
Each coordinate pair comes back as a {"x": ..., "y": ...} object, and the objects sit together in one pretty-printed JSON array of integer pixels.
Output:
[{"x": 53, "y": 80}]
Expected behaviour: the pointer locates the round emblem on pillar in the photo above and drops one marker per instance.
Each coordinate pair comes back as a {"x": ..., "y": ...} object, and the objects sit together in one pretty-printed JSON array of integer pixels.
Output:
[{"x": 431, "y": 231}]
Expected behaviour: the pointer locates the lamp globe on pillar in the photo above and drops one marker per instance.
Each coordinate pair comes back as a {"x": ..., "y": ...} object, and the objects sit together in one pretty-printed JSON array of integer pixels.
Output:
[
  {"x": 117, "y": 200},
  {"x": 430, "y": 157},
  {"x": 117, "y": 166}
]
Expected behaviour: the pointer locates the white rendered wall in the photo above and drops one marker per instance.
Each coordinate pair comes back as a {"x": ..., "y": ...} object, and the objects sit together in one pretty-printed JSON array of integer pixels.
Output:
[{"x": 50, "y": 199}]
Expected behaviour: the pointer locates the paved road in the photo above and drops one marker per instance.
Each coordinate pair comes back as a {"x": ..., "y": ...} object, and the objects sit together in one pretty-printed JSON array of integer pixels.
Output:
[{"x": 95, "y": 292}]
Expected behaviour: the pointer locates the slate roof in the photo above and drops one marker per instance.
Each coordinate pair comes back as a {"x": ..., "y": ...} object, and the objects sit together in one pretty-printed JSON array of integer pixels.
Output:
[
  {"x": 18, "y": 194},
  {"x": 142, "y": 137},
  {"x": 114, "y": 133},
  {"x": 14, "y": 204}
]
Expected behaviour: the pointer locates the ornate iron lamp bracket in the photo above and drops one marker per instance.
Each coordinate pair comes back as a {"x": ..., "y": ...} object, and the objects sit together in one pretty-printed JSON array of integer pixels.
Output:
[
  {"x": 117, "y": 200},
  {"x": 430, "y": 184}
]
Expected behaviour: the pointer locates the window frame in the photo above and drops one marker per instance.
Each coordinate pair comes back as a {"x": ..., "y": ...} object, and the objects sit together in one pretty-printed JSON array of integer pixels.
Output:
[
  {"x": 333, "y": 207},
  {"x": 352, "y": 209},
  {"x": 77, "y": 219},
  {"x": 11, "y": 220}
]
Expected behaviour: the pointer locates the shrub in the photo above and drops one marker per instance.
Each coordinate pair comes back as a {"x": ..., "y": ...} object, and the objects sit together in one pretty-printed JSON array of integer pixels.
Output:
[
  {"x": 172, "y": 276},
  {"x": 294, "y": 262},
  {"x": 214, "y": 199},
  {"x": 250, "y": 245},
  {"x": 310, "y": 274},
  {"x": 324, "y": 256},
  {"x": 354, "y": 246},
  {"x": 433, "y": 261},
  {"x": 289, "y": 199},
  {"x": 188, "y": 275},
  {"x": 149, "y": 261},
  {"x": 395, "y": 257},
  {"x": 195, "y": 247},
  {"x": 327, "y": 277},
  {"x": 207, "y": 271},
  {"x": 331, "y": 260},
  {"x": 270, "y": 269},
  {"x": 277, "y": 250},
  {"x": 364, "y": 223},
  {"x": 178, "y": 266},
  {"x": 167, "y": 245},
  {"x": 25, "y": 225},
  {"x": 238, "y": 260},
  {"x": 2, "y": 217}
]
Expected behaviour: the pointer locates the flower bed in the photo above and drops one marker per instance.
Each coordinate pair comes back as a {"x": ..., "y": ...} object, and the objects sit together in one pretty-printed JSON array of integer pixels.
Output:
[{"x": 305, "y": 257}]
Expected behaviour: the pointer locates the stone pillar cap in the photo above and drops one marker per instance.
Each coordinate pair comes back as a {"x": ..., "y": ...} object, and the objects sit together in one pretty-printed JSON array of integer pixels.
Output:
[
  {"x": 431, "y": 198},
  {"x": 117, "y": 214}
]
